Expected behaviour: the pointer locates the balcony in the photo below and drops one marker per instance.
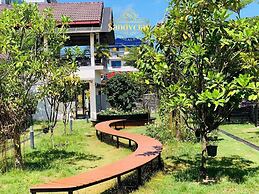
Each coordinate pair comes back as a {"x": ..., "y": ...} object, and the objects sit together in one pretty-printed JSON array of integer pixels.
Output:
[{"x": 86, "y": 62}]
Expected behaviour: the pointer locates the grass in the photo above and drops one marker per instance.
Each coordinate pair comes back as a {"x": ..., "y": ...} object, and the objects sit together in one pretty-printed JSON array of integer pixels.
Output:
[
  {"x": 235, "y": 169},
  {"x": 246, "y": 131},
  {"x": 72, "y": 154}
]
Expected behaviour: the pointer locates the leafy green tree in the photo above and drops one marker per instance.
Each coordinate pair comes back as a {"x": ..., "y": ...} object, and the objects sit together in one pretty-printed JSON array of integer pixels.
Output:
[
  {"x": 132, "y": 56},
  {"x": 251, "y": 61},
  {"x": 122, "y": 92},
  {"x": 59, "y": 89},
  {"x": 197, "y": 58},
  {"x": 31, "y": 42},
  {"x": 102, "y": 53},
  {"x": 70, "y": 90}
]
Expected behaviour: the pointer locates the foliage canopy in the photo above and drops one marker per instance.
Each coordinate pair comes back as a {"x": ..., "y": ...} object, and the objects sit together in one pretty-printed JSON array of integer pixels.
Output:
[
  {"x": 122, "y": 92},
  {"x": 202, "y": 60},
  {"x": 31, "y": 42}
]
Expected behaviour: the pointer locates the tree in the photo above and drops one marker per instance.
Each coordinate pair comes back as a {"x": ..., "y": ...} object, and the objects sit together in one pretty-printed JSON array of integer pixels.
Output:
[
  {"x": 31, "y": 42},
  {"x": 102, "y": 53},
  {"x": 197, "y": 58},
  {"x": 60, "y": 88},
  {"x": 132, "y": 57},
  {"x": 70, "y": 90},
  {"x": 251, "y": 61},
  {"x": 122, "y": 92}
]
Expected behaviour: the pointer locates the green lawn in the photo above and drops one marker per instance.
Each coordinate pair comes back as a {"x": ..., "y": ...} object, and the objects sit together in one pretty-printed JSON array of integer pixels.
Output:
[
  {"x": 247, "y": 131},
  {"x": 236, "y": 168},
  {"x": 73, "y": 154}
]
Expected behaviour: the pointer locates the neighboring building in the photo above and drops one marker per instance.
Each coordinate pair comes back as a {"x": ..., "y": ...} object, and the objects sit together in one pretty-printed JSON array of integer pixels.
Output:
[
  {"x": 120, "y": 49},
  {"x": 89, "y": 26}
]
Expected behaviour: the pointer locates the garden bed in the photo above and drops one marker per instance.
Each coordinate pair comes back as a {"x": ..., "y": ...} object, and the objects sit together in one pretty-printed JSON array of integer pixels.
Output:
[{"x": 137, "y": 119}]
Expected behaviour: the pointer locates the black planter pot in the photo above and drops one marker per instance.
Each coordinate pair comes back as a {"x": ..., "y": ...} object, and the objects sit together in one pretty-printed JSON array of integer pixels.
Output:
[
  {"x": 45, "y": 130},
  {"x": 212, "y": 150}
]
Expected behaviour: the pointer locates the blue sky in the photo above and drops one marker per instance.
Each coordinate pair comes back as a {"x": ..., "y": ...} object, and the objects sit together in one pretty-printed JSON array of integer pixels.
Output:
[{"x": 154, "y": 10}]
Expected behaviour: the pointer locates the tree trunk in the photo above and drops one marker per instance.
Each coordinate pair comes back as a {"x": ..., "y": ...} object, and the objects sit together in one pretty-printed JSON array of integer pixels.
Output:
[
  {"x": 17, "y": 150},
  {"x": 175, "y": 121},
  {"x": 52, "y": 137},
  {"x": 203, "y": 172},
  {"x": 178, "y": 125},
  {"x": 3, "y": 150},
  {"x": 171, "y": 123},
  {"x": 256, "y": 114},
  {"x": 65, "y": 116}
]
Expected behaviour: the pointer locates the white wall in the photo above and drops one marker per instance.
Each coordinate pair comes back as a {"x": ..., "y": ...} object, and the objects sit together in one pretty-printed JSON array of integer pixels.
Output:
[{"x": 40, "y": 114}]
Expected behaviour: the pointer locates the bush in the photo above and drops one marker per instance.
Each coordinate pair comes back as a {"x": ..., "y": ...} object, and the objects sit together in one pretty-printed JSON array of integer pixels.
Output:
[
  {"x": 111, "y": 111},
  {"x": 159, "y": 130},
  {"x": 122, "y": 92}
]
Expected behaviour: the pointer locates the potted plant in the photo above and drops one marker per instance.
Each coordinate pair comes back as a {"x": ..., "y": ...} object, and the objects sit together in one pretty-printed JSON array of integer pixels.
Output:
[
  {"x": 102, "y": 54},
  {"x": 212, "y": 146},
  {"x": 45, "y": 128}
]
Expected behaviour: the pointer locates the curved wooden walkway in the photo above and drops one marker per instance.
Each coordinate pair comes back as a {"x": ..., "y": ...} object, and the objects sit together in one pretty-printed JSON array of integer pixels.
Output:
[{"x": 147, "y": 150}]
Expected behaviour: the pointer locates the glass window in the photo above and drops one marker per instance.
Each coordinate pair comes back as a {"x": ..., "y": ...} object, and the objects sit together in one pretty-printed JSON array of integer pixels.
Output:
[{"x": 116, "y": 64}]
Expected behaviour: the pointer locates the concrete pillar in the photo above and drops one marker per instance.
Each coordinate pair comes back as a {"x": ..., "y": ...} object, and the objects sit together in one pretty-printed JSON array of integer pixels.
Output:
[
  {"x": 93, "y": 100},
  {"x": 92, "y": 49}
]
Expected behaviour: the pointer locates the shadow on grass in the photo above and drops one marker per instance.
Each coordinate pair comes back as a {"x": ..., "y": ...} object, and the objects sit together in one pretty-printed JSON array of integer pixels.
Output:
[
  {"x": 234, "y": 168},
  {"x": 130, "y": 182},
  {"x": 108, "y": 139},
  {"x": 45, "y": 159}
]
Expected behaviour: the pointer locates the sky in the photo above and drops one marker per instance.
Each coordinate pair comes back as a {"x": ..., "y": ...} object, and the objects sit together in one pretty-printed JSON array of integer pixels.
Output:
[{"x": 153, "y": 10}]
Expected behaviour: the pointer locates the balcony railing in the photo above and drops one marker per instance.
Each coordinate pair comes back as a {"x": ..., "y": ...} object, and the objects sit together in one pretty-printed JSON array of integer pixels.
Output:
[{"x": 86, "y": 62}]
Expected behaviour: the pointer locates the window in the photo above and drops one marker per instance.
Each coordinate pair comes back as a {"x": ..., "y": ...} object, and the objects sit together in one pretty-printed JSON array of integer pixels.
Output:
[
  {"x": 116, "y": 64},
  {"x": 12, "y": 1}
]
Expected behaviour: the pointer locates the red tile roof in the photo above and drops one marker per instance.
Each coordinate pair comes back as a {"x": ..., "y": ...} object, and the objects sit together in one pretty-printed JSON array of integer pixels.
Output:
[
  {"x": 79, "y": 13},
  {"x": 3, "y": 56},
  {"x": 3, "y": 6}
]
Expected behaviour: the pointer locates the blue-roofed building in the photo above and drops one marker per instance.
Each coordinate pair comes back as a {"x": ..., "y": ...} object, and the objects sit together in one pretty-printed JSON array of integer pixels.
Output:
[{"x": 118, "y": 50}]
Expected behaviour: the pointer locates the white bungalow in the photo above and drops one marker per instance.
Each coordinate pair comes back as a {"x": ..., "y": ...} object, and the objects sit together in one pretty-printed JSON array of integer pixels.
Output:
[{"x": 91, "y": 24}]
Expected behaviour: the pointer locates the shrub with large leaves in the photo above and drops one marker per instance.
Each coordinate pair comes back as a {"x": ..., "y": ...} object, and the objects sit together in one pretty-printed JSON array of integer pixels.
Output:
[
  {"x": 202, "y": 61},
  {"x": 122, "y": 92}
]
